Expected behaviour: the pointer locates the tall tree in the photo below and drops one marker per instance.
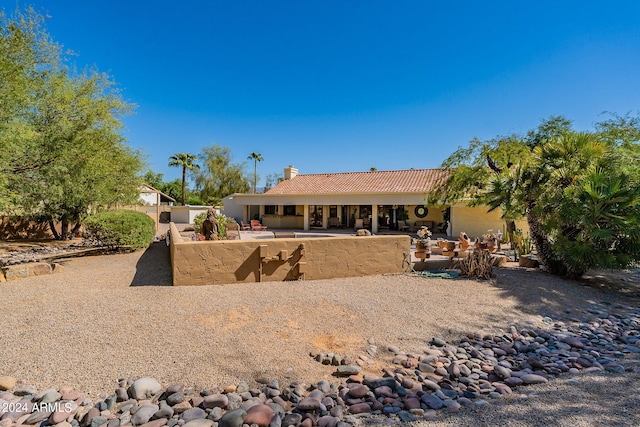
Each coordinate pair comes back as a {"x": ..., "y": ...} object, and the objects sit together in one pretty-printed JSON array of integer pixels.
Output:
[
  {"x": 186, "y": 161},
  {"x": 579, "y": 192},
  {"x": 219, "y": 176},
  {"x": 256, "y": 157},
  {"x": 60, "y": 131}
]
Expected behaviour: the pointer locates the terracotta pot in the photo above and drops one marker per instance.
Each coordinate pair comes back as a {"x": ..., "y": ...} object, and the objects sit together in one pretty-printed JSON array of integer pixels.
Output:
[{"x": 450, "y": 245}]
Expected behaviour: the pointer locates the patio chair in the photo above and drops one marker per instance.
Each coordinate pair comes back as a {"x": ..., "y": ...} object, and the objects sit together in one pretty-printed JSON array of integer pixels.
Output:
[
  {"x": 256, "y": 226},
  {"x": 334, "y": 221},
  {"x": 402, "y": 225},
  {"x": 359, "y": 224},
  {"x": 232, "y": 231},
  {"x": 245, "y": 227}
]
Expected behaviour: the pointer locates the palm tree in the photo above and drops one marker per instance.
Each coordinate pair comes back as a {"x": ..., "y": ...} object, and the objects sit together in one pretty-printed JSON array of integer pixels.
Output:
[
  {"x": 256, "y": 157},
  {"x": 185, "y": 161}
]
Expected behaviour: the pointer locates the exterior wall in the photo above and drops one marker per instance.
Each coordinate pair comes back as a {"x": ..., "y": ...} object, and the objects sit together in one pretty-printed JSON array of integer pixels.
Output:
[
  {"x": 21, "y": 228},
  {"x": 231, "y": 261},
  {"x": 186, "y": 214},
  {"x": 434, "y": 214},
  {"x": 149, "y": 198},
  {"x": 231, "y": 210},
  {"x": 476, "y": 221}
]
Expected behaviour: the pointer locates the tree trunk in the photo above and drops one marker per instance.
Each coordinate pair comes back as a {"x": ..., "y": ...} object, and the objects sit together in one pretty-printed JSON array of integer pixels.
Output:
[
  {"x": 52, "y": 227},
  {"x": 64, "y": 230},
  {"x": 74, "y": 230},
  {"x": 543, "y": 247},
  {"x": 511, "y": 228},
  {"x": 184, "y": 175}
]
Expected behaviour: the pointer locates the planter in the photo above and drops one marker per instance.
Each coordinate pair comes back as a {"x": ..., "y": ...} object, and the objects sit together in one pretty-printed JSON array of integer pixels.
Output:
[
  {"x": 449, "y": 246},
  {"x": 421, "y": 246},
  {"x": 528, "y": 261}
]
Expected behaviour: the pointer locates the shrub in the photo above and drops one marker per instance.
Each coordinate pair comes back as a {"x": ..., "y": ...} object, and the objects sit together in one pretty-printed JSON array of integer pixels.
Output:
[
  {"x": 121, "y": 229},
  {"x": 478, "y": 265}
]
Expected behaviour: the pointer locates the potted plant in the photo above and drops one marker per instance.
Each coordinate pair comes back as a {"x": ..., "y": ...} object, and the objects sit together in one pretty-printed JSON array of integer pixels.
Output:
[{"x": 423, "y": 243}]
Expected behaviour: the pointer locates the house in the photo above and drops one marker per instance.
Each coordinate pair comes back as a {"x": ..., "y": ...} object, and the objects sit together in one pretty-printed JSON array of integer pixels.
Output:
[
  {"x": 155, "y": 203},
  {"x": 377, "y": 200}
]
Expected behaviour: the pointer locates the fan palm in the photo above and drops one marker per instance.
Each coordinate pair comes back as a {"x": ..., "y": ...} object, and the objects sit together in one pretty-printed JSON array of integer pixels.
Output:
[
  {"x": 256, "y": 157},
  {"x": 185, "y": 161}
]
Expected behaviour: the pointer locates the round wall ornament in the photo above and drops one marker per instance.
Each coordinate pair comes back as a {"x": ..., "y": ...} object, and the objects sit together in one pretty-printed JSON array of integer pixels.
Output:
[{"x": 421, "y": 211}]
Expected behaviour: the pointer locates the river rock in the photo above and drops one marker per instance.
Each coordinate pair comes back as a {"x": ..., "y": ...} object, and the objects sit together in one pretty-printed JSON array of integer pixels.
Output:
[
  {"x": 359, "y": 408},
  {"x": 260, "y": 415},
  {"x": 201, "y": 422},
  {"x": 233, "y": 418},
  {"x": 193, "y": 414},
  {"x": 6, "y": 382},
  {"x": 144, "y": 414},
  {"x": 533, "y": 379},
  {"x": 216, "y": 401},
  {"x": 144, "y": 388}
]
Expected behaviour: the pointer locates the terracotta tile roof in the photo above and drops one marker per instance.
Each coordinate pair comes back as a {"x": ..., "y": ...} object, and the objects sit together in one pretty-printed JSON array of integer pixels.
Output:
[{"x": 401, "y": 181}]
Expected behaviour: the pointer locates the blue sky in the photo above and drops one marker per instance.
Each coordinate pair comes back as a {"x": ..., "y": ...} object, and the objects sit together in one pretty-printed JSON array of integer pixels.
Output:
[{"x": 333, "y": 86}]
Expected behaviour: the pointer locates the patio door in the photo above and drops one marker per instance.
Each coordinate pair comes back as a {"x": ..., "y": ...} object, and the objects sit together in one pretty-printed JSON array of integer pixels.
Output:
[{"x": 344, "y": 218}]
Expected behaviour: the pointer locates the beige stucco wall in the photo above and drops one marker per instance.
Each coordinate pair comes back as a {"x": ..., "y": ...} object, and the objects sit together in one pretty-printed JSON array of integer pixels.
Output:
[
  {"x": 476, "y": 221},
  {"x": 230, "y": 261}
]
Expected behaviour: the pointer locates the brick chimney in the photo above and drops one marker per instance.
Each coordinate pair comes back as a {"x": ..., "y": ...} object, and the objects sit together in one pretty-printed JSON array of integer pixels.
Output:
[{"x": 290, "y": 172}]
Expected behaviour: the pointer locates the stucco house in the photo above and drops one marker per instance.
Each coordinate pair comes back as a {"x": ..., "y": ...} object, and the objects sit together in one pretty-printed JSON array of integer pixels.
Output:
[
  {"x": 377, "y": 200},
  {"x": 154, "y": 203}
]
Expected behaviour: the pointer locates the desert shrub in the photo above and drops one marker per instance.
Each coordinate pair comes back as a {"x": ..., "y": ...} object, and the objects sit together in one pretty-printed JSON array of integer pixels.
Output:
[
  {"x": 478, "y": 265},
  {"x": 120, "y": 229}
]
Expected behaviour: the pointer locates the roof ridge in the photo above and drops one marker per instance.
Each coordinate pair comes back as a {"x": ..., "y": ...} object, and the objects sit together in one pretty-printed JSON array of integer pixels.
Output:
[{"x": 378, "y": 171}]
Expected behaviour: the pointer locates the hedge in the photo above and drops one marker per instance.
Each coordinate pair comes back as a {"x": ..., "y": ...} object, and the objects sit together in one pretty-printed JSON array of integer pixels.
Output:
[{"x": 120, "y": 229}]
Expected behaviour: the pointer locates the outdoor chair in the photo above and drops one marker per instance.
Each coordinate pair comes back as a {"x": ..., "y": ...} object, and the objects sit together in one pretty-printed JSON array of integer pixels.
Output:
[
  {"x": 402, "y": 225},
  {"x": 245, "y": 227},
  {"x": 232, "y": 232},
  {"x": 334, "y": 221},
  {"x": 359, "y": 224},
  {"x": 256, "y": 226}
]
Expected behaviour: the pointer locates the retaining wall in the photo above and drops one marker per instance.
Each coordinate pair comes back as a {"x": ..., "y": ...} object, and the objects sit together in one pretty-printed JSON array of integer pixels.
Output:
[{"x": 230, "y": 261}]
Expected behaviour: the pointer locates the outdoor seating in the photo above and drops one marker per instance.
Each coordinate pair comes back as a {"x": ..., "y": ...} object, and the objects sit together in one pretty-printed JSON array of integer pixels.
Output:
[
  {"x": 334, "y": 221},
  {"x": 232, "y": 231},
  {"x": 245, "y": 227},
  {"x": 256, "y": 226},
  {"x": 402, "y": 225},
  {"x": 359, "y": 224}
]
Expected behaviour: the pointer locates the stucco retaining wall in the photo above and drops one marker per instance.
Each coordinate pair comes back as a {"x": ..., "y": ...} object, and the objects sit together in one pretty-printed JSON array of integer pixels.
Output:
[{"x": 230, "y": 261}]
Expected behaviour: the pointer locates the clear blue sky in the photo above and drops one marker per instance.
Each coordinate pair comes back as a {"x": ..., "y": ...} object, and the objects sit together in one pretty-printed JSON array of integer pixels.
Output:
[{"x": 332, "y": 86}]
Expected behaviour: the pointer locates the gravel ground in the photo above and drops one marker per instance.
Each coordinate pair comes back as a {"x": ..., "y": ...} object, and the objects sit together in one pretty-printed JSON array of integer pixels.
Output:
[{"x": 109, "y": 317}]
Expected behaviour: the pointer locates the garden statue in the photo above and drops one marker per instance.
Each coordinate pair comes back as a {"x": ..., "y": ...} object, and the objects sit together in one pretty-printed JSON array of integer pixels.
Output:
[{"x": 210, "y": 226}]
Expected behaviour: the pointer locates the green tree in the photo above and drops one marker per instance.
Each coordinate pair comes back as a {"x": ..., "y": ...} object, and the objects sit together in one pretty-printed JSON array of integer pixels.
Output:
[
  {"x": 156, "y": 180},
  {"x": 173, "y": 189},
  {"x": 271, "y": 180},
  {"x": 60, "y": 134},
  {"x": 256, "y": 157},
  {"x": 186, "y": 161},
  {"x": 578, "y": 191},
  {"x": 219, "y": 176}
]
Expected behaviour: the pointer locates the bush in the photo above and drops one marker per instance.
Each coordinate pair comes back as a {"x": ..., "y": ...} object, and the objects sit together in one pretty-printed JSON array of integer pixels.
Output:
[
  {"x": 478, "y": 265},
  {"x": 121, "y": 229}
]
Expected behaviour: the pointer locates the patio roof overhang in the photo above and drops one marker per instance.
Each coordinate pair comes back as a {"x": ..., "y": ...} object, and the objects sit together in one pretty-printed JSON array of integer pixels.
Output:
[{"x": 331, "y": 199}]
